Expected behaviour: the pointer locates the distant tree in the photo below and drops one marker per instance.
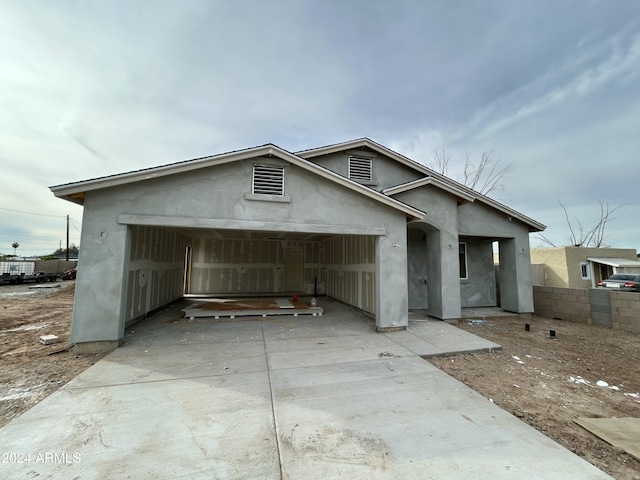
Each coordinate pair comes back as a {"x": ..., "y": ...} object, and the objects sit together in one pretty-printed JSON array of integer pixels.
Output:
[
  {"x": 485, "y": 177},
  {"x": 592, "y": 237},
  {"x": 61, "y": 251}
]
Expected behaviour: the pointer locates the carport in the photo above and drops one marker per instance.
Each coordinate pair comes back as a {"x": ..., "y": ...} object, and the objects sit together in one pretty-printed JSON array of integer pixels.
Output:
[{"x": 216, "y": 226}]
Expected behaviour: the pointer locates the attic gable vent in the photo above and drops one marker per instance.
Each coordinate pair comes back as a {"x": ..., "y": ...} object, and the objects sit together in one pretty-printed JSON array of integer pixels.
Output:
[
  {"x": 268, "y": 180},
  {"x": 360, "y": 169}
]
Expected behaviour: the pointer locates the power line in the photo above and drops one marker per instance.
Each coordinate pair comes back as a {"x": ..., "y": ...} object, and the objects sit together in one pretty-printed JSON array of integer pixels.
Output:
[
  {"x": 74, "y": 223},
  {"x": 31, "y": 213}
]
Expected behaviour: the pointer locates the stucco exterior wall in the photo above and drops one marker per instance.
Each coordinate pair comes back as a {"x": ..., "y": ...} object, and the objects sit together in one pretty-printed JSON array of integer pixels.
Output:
[
  {"x": 555, "y": 261},
  {"x": 99, "y": 301},
  {"x": 386, "y": 172},
  {"x": 477, "y": 219},
  {"x": 440, "y": 295},
  {"x": 563, "y": 263},
  {"x": 219, "y": 197}
]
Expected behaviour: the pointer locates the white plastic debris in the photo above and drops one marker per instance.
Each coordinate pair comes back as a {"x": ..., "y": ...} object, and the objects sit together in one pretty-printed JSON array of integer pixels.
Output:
[
  {"x": 579, "y": 379},
  {"x": 49, "y": 339},
  {"x": 602, "y": 383}
]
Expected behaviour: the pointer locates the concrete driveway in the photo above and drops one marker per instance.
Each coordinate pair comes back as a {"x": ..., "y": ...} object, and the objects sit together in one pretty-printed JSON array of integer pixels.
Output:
[{"x": 280, "y": 397}]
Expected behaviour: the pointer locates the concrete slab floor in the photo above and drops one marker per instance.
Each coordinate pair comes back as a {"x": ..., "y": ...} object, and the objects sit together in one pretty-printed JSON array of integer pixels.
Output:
[{"x": 289, "y": 397}]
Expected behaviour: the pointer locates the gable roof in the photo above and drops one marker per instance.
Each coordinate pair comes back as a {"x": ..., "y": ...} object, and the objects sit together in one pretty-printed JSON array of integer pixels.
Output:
[
  {"x": 403, "y": 187},
  {"x": 439, "y": 179},
  {"x": 74, "y": 192}
]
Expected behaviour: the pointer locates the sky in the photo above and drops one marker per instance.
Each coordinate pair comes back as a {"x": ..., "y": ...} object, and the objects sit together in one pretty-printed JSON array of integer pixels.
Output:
[{"x": 550, "y": 87}]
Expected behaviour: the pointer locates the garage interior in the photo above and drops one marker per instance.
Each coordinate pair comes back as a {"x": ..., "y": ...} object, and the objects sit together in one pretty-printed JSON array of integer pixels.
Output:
[{"x": 167, "y": 264}]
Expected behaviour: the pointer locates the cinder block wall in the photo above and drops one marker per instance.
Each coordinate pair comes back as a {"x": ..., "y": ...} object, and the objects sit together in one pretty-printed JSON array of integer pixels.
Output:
[
  {"x": 574, "y": 305},
  {"x": 55, "y": 266},
  {"x": 571, "y": 304},
  {"x": 625, "y": 311}
]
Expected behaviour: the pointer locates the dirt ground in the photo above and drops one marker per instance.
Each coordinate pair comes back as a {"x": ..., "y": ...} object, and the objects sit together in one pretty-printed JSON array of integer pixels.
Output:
[
  {"x": 30, "y": 371},
  {"x": 548, "y": 383}
]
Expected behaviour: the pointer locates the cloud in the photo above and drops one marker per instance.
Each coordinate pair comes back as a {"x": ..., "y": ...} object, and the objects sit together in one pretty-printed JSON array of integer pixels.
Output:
[
  {"x": 575, "y": 79},
  {"x": 96, "y": 88}
]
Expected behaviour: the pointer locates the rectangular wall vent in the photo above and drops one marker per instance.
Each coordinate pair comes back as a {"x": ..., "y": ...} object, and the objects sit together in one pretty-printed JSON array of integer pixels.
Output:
[
  {"x": 360, "y": 169},
  {"x": 268, "y": 180}
]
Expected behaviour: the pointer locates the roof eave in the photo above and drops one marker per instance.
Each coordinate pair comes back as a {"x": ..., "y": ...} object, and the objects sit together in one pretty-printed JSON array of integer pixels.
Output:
[
  {"x": 74, "y": 192},
  {"x": 533, "y": 225},
  {"x": 66, "y": 190},
  {"x": 429, "y": 181}
]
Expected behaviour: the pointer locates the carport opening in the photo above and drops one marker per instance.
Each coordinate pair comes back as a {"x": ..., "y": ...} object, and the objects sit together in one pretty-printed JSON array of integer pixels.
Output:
[{"x": 234, "y": 264}]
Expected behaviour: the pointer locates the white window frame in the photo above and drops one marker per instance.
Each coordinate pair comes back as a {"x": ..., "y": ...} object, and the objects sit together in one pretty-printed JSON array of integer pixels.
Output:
[
  {"x": 585, "y": 267},
  {"x": 466, "y": 270},
  {"x": 359, "y": 165}
]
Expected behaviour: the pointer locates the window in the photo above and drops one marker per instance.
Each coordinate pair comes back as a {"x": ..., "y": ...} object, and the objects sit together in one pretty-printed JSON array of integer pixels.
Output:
[
  {"x": 268, "y": 180},
  {"x": 360, "y": 169},
  {"x": 585, "y": 271},
  {"x": 462, "y": 254}
]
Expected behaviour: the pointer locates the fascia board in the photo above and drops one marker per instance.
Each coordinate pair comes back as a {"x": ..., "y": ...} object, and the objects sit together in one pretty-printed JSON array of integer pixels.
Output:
[
  {"x": 346, "y": 182},
  {"x": 366, "y": 142},
  {"x": 67, "y": 190},
  {"x": 428, "y": 181},
  {"x": 534, "y": 226},
  {"x": 157, "y": 172}
]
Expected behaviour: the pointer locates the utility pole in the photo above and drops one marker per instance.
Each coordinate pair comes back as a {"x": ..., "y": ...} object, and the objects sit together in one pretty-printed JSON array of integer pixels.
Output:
[{"x": 67, "y": 238}]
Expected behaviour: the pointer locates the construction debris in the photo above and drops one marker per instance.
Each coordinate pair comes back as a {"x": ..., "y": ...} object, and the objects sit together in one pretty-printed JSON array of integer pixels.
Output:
[{"x": 49, "y": 339}]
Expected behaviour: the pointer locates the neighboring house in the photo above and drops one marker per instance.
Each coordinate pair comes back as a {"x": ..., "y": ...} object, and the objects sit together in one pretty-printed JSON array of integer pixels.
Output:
[
  {"x": 355, "y": 221},
  {"x": 580, "y": 267}
]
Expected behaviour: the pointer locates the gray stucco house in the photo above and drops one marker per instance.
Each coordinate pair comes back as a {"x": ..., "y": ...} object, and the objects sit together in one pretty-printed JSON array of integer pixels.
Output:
[{"x": 355, "y": 221}]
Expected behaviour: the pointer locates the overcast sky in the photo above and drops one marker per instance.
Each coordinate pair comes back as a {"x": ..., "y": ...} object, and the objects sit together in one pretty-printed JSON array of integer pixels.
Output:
[{"x": 91, "y": 88}]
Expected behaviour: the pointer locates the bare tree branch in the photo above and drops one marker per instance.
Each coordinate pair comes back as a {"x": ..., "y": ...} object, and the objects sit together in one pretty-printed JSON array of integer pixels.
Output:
[
  {"x": 572, "y": 238},
  {"x": 486, "y": 177},
  {"x": 540, "y": 236},
  {"x": 441, "y": 161},
  {"x": 595, "y": 236}
]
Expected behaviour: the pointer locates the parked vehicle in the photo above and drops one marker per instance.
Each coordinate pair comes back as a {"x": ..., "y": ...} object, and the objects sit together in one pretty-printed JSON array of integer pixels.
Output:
[
  {"x": 69, "y": 274},
  {"x": 17, "y": 272},
  {"x": 628, "y": 282},
  {"x": 42, "y": 277}
]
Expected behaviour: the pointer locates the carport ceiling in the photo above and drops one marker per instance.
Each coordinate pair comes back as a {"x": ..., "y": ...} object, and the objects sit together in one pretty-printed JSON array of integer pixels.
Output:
[{"x": 258, "y": 235}]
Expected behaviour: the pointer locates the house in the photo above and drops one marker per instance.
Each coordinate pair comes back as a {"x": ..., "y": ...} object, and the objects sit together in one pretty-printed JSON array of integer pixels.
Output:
[
  {"x": 580, "y": 267},
  {"x": 355, "y": 221}
]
